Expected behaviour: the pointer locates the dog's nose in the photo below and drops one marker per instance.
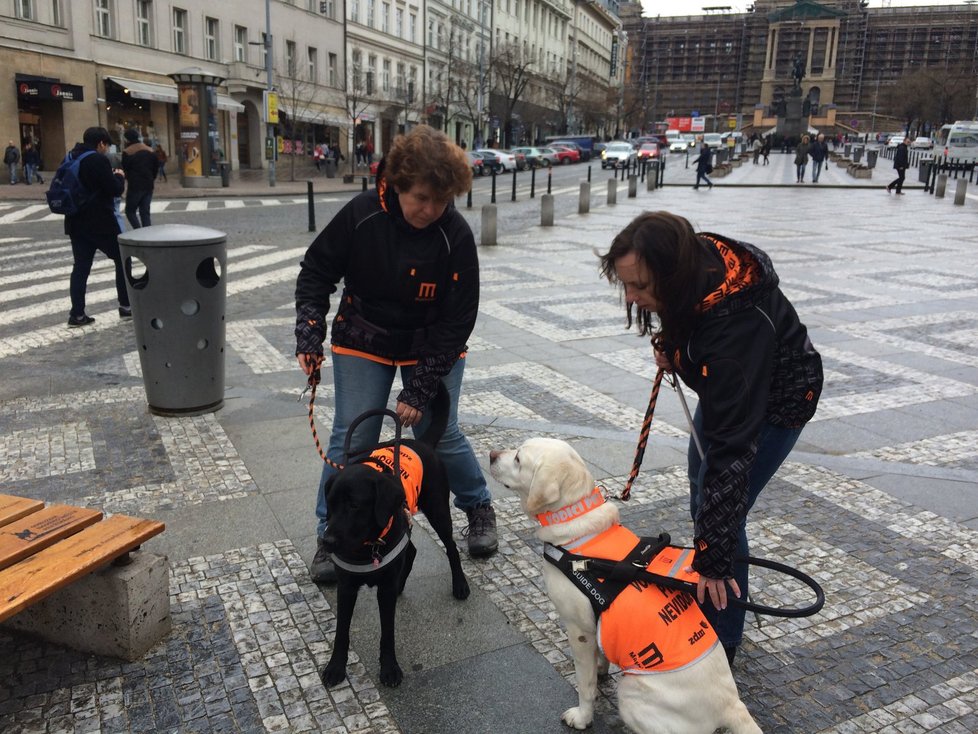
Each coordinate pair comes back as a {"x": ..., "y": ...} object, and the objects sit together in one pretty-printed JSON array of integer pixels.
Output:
[{"x": 493, "y": 455}]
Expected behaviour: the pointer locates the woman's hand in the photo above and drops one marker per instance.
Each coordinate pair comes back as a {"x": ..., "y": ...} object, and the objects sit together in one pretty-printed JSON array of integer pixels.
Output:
[
  {"x": 409, "y": 416},
  {"x": 716, "y": 588},
  {"x": 309, "y": 362},
  {"x": 662, "y": 361}
]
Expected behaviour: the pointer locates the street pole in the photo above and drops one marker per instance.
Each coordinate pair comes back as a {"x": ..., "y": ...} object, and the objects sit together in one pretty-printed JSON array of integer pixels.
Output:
[
  {"x": 478, "y": 143},
  {"x": 269, "y": 127}
]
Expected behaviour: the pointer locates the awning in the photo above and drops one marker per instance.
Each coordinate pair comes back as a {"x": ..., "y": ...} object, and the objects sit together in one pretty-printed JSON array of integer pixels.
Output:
[{"x": 167, "y": 93}]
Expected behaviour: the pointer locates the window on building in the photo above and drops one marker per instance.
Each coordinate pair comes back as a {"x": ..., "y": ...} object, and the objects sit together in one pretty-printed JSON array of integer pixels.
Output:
[
  {"x": 401, "y": 88},
  {"x": 103, "y": 18},
  {"x": 431, "y": 31},
  {"x": 25, "y": 9},
  {"x": 144, "y": 22},
  {"x": 290, "y": 68},
  {"x": 312, "y": 66},
  {"x": 332, "y": 69},
  {"x": 57, "y": 13},
  {"x": 179, "y": 31},
  {"x": 240, "y": 43},
  {"x": 386, "y": 77},
  {"x": 399, "y": 23},
  {"x": 212, "y": 33},
  {"x": 413, "y": 27},
  {"x": 371, "y": 12},
  {"x": 355, "y": 11},
  {"x": 385, "y": 15},
  {"x": 329, "y": 9}
]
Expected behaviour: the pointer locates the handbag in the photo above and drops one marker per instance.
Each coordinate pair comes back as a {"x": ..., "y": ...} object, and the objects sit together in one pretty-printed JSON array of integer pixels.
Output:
[{"x": 709, "y": 168}]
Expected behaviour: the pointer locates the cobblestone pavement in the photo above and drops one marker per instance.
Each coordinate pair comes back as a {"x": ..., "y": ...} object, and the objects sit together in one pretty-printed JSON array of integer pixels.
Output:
[{"x": 878, "y": 502}]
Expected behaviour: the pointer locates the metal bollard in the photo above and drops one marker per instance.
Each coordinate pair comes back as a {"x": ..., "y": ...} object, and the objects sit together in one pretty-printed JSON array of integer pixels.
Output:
[
  {"x": 547, "y": 210},
  {"x": 488, "y": 224},
  {"x": 533, "y": 182},
  {"x": 492, "y": 196},
  {"x": 612, "y": 191},
  {"x": 584, "y": 198},
  {"x": 941, "y": 186},
  {"x": 960, "y": 191},
  {"x": 632, "y": 186},
  {"x": 514, "y": 186},
  {"x": 364, "y": 183},
  {"x": 312, "y": 207},
  {"x": 589, "y": 174},
  {"x": 468, "y": 199},
  {"x": 550, "y": 175}
]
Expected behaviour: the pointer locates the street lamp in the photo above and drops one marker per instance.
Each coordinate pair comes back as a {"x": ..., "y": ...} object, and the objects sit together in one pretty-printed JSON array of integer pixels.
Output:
[{"x": 480, "y": 101}]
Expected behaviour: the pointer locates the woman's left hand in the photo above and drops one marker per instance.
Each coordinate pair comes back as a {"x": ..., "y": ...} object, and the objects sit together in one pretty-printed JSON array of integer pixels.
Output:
[
  {"x": 717, "y": 589},
  {"x": 409, "y": 416}
]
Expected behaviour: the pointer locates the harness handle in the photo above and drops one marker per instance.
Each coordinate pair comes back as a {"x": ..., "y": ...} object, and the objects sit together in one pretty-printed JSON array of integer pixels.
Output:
[{"x": 397, "y": 435}]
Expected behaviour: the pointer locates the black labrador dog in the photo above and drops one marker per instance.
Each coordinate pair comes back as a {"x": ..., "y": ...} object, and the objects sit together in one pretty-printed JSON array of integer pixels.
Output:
[{"x": 369, "y": 532}]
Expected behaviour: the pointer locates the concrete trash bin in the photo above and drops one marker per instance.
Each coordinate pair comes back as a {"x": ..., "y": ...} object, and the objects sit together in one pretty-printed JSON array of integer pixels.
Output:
[
  {"x": 225, "y": 174},
  {"x": 330, "y": 168},
  {"x": 923, "y": 175},
  {"x": 871, "y": 158},
  {"x": 176, "y": 279}
]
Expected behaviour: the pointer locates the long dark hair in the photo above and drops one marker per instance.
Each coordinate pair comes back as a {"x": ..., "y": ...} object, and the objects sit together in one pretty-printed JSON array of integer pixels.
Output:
[{"x": 683, "y": 268}]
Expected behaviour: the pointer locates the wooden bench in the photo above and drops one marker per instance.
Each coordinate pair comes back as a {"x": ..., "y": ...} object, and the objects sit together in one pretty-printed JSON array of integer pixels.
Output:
[{"x": 45, "y": 550}]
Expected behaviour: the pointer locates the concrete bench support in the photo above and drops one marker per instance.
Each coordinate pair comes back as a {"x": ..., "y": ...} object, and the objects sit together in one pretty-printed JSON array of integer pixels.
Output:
[
  {"x": 961, "y": 191},
  {"x": 120, "y": 611},
  {"x": 584, "y": 198},
  {"x": 632, "y": 187},
  {"x": 489, "y": 225},
  {"x": 941, "y": 186},
  {"x": 547, "y": 210},
  {"x": 612, "y": 191}
]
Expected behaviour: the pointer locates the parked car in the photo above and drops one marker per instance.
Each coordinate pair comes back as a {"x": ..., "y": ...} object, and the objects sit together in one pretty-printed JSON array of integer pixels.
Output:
[
  {"x": 475, "y": 163},
  {"x": 538, "y": 157},
  {"x": 648, "y": 151},
  {"x": 922, "y": 142},
  {"x": 585, "y": 153},
  {"x": 567, "y": 155},
  {"x": 713, "y": 140},
  {"x": 682, "y": 144},
  {"x": 617, "y": 155},
  {"x": 490, "y": 162},
  {"x": 894, "y": 140},
  {"x": 507, "y": 161}
]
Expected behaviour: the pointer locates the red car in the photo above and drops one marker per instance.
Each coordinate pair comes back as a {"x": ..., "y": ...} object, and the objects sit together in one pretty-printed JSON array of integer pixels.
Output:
[
  {"x": 566, "y": 155},
  {"x": 648, "y": 151}
]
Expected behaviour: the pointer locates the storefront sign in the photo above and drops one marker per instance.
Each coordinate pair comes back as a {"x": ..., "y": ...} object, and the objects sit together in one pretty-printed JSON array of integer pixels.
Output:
[{"x": 35, "y": 89}]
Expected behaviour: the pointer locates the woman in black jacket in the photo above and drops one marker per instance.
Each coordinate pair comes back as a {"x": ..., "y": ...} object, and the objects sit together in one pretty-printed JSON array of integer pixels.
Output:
[
  {"x": 704, "y": 165},
  {"x": 718, "y": 319},
  {"x": 410, "y": 298},
  {"x": 901, "y": 162}
]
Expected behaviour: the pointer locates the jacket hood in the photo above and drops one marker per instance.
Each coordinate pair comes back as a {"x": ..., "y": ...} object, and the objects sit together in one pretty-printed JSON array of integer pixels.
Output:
[{"x": 749, "y": 277}]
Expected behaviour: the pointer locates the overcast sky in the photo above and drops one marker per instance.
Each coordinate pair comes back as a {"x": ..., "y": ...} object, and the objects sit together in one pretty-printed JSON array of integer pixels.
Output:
[{"x": 695, "y": 7}]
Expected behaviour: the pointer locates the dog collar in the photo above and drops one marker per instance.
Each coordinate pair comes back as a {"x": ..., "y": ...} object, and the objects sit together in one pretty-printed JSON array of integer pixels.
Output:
[
  {"x": 378, "y": 562},
  {"x": 570, "y": 512}
]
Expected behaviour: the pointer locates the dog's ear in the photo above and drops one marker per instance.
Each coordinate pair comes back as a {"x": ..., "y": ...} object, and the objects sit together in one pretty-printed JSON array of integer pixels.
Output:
[
  {"x": 557, "y": 477},
  {"x": 328, "y": 488},
  {"x": 387, "y": 501}
]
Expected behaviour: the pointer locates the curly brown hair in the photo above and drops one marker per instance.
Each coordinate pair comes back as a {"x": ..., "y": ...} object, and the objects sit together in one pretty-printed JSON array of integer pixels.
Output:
[{"x": 426, "y": 155}]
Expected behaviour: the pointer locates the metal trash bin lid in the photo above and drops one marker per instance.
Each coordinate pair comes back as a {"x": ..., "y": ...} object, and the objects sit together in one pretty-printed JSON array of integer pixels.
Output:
[{"x": 172, "y": 235}]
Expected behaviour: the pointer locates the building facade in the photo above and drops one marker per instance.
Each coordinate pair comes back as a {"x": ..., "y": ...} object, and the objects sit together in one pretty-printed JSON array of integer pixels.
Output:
[{"x": 726, "y": 66}]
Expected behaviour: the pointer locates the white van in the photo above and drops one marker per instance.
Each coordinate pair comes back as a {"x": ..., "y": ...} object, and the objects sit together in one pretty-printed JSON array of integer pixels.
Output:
[{"x": 962, "y": 141}]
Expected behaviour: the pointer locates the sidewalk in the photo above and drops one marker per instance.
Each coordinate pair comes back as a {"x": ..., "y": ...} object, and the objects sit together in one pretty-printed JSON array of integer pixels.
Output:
[{"x": 879, "y": 501}]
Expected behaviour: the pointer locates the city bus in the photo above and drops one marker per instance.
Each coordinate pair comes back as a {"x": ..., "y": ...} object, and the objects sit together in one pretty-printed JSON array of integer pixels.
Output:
[{"x": 959, "y": 141}]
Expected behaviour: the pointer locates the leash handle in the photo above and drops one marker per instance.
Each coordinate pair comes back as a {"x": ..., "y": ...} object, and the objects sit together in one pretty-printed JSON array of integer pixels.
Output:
[{"x": 643, "y": 437}]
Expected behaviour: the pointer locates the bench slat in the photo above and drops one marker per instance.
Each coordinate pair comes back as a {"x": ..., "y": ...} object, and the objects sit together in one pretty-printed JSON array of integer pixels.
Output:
[
  {"x": 13, "y": 508},
  {"x": 40, "y": 529},
  {"x": 53, "y": 568}
]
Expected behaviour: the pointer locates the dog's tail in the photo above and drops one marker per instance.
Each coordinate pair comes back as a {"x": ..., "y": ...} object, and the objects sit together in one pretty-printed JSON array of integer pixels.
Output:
[{"x": 439, "y": 407}]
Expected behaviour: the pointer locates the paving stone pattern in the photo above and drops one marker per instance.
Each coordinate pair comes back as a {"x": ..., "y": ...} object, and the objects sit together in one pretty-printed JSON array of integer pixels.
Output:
[{"x": 890, "y": 294}]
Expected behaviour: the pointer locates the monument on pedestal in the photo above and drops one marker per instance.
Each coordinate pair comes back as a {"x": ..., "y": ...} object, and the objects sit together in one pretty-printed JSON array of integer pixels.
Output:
[{"x": 794, "y": 123}]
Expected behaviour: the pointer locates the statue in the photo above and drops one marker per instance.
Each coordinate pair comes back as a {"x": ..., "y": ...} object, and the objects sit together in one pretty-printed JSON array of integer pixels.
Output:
[{"x": 798, "y": 70}]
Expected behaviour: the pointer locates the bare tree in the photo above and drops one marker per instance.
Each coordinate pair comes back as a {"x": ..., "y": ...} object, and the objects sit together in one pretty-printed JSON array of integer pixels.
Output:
[
  {"x": 357, "y": 101},
  {"x": 512, "y": 73},
  {"x": 297, "y": 101},
  {"x": 933, "y": 95}
]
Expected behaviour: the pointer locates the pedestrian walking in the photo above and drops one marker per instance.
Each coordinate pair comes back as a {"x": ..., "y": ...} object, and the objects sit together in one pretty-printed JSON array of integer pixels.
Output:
[
  {"x": 719, "y": 321},
  {"x": 766, "y": 150},
  {"x": 161, "y": 159},
  {"x": 95, "y": 226},
  {"x": 901, "y": 162},
  {"x": 819, "y": 153},
  {"x": 756, "y": 147},
  {"x": 32, "y": 161},
  {"x": 704, "y": 165},
  {"x": 801, "y": 157},
  {"x": 409, "y": 266},
  {"x": 11, "y": 156},
  {"x": 140, "y": 165}
]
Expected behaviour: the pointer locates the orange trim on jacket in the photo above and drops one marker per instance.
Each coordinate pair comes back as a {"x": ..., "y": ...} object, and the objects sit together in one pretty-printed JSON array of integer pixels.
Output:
[
  {"x": 380, "y": 360},
  {"x": 648, "y": 629},
  {"x": 412, "y": 471},
  {"x": 741, "y": 274}
]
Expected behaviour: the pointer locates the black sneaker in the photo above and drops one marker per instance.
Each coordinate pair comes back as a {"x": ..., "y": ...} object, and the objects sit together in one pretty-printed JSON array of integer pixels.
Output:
[
  {"x": 75, "y": 321},
  {"x": 481, "y": 532},
  {"x": 125, "y": 312},
  {"x": 322, "y": 570}
]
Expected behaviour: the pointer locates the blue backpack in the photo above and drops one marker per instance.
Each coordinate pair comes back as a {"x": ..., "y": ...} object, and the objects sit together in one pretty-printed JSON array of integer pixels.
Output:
[{"x": 67, "y": 195}]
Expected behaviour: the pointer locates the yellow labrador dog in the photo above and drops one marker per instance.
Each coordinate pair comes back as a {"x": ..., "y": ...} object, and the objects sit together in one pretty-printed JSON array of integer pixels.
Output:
[{"x": 695, "y": 697}]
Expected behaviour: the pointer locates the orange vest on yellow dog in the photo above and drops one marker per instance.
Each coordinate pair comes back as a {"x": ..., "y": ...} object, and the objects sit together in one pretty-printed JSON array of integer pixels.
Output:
[{"x": 648, "y": 628}]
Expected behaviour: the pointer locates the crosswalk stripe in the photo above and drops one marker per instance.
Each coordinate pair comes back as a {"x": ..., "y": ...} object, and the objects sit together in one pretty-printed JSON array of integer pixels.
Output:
[{"x": 16, "y": 216}]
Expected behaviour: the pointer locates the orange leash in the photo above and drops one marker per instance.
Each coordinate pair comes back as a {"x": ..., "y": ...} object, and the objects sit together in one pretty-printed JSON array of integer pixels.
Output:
[
  {"x": 643, "y": 437},
  {"x": 311, "y": 387}
]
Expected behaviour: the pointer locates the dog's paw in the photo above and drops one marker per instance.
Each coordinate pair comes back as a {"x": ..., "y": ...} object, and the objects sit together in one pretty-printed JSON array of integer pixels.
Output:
[
  {"x": 461, "y": 590},
  {"x": 390, "y": 673},
  {"x": 333, "y": 674},
  {"x": 576, "y": 718}
]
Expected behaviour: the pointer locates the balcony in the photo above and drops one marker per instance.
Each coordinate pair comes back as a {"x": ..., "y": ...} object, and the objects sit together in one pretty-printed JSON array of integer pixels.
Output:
[{"x": 242, "y": 77}]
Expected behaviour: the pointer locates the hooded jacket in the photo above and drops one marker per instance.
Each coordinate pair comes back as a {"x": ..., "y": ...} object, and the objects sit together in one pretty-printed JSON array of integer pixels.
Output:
[
  {"x": 750, "y": 362},
  {"x": 97, "y": 216},
  {"x": 141, "y": 165},
  {"x": 410, "y": 296}
]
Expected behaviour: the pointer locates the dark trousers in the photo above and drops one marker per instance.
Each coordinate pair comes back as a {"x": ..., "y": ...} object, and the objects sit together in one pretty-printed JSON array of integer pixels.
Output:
[
  {"x": 83, "y": 248},
  {"x": 898, "y": 181},
  {"x": 138, "y": 201}
]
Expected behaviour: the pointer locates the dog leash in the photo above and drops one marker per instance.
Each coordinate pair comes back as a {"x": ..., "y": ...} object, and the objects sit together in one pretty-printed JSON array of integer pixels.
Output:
[
  {"x": 643, "y": 437},
  {"x": 311, "y": 383}
]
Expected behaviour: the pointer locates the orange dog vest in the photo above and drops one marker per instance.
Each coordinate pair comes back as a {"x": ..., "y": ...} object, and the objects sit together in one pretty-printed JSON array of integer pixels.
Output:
[
  {"x": 648, "y": 628},
  {"x": 410, "y": 467}
]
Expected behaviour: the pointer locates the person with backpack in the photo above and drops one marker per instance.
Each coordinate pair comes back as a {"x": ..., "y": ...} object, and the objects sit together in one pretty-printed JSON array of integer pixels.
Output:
[
  {"x": 140, "y": 165},
  {"x": 11, "y": 156},
  {"x": 92, "y": 224},
  {"x": 32, "y": 161}
]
